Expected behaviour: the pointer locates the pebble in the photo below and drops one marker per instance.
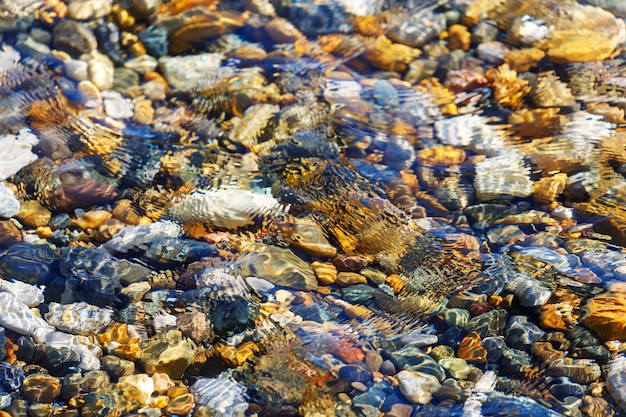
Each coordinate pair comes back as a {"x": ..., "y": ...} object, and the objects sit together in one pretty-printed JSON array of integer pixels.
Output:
[
  {"x": 155, "y": 40},
  {"x": 345, "y": 279},
  {"x": 88, "y": 9},
  {"x": 17, "y": 317},
  {"x": 9, "y": 233},
  {"x": 222, "y": 394},
  {"x": 15, "y": 152},
  {"x": 76, "y": 69},
  {"x": 27, "y": 294},
  {"x": 456, "y": 367},
  {"x": 521, "y": 334},
  {"x": 116, "y": 106},
  {"x": 417, "y": 387},
  {"x": 142, "y": 384},
  {"x": 615, "y": 380},
  {"x": 250, "y": 295},
  {"x": 40, "y": 388},
  {"x": 74, "y": 38},
  {"x": 188, "y": 72},
  {"x": 101, "y": 71},
  {"x": 9, "y": 205},
  {"x": 142, "y": 64},
  {"x": 279, "y": 266},
  {"x": 412, "y": 358},
  {"x": 606, "y": 313},
  {"x": 167, "y": 353}
]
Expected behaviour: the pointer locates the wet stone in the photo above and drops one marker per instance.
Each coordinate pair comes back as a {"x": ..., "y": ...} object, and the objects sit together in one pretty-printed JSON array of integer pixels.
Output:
[
  {"x": 125, "y": 79},
  {"x": 471, "y": 349},
  {"x": 58, "y": 361},
  {"x": 495, "y": 347},
  {"x": 167, "y": 353},
  {"x": 582, "y": 371},
  {"x": 521, "y": 334},
  {"x": 9, "y": 233},
  {"x": 417, "y": 387},
  {"x": 441, "y": 352},
  {"x": 514, "y": 361},
  {"x": 562, "y": 388},
  {"x": 41, "y": 388},
  {"x": 155, "y": 40},
  {"x": 74, "y": 38},
  {"x": 452, "y": 337},
  {"x": 488, "y": 324},
  {"x": 455, "y": 317},
  {"x": 315, "y": 313},
  {"x": 456, "y": 367},
  {"x": 117, "y": 367},
  {"x": 91, "y": 276},
  {"x": 169, "y": 252},
  {"x": 232, "y": 316},
  {"x": 279, "y": 266},
  {"x": 374, "y": 396},
  {"x": 414, "y": 359},
  {"x": 11, "y": 377},
  {"x": 33, "y": 264}
]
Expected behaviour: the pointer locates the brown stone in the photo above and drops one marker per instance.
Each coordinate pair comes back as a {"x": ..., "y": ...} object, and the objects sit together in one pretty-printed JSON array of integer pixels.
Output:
[
  {"x": 325, "y": 272},
  {"x": 92, "y": 219},
  {"x": 40, "y": 388},
  {"x": 577, "y": 45},
  {"x": 606, "y": 313},
  {"x": 348, "y": 354},
  {"x": 181, "y": 405},
  {"x": 388, "y": 56},
  {"x": 282, "y": 31},
  {"x": 545, "y": 352},
  {"x": 308, "y": 236},
  {"x": 549, "y": 318},
  {"x": 442, "y": 155},
  {"x": 345, "y": 279},
  {"x": 548, "y": 189},
  {"x": 33, "y": 214},
  {"x": 236, "y": 355},
  {"x": 9, "y": 233},
  {"x": 523, "y": 60},
  {"x": 205, "y": 26},
  {"x": 459, "y": 38},
  {"x": 349, "y": 263},
  {"x": 195, "y": 325},
  {"x": 471, "y": 349}
]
